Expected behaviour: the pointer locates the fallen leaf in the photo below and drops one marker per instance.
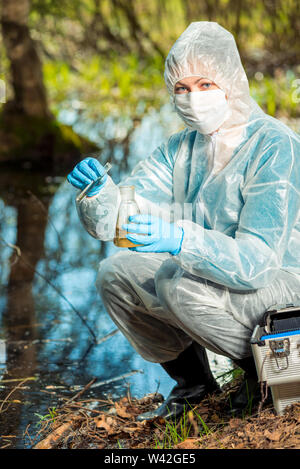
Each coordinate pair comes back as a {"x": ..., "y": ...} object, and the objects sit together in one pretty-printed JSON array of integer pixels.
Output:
[
  {"x": 101, "y": 423},
  {"x": 240, "y": 446},
  {"x": 108, "y": 424},
  {"x": 273, "y": 436},
  {"x": 131, "y": 429},
  {"x": 189, "y": 443},
  {"x": 121, "y": 411},
  {"x": 234, "y": 423},
  {"x": 124, "y": 399}
]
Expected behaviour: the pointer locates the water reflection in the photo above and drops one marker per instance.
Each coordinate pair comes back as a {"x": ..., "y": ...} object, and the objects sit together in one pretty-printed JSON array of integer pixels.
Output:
[{"x": 48, "y": 290}]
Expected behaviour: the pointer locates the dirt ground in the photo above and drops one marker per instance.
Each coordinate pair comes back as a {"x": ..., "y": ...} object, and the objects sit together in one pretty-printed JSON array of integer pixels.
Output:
[{"x": 86, "y": 424}]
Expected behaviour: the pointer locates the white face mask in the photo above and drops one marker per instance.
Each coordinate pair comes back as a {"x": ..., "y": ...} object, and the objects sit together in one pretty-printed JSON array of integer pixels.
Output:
[{"x": 204, "y": 111}]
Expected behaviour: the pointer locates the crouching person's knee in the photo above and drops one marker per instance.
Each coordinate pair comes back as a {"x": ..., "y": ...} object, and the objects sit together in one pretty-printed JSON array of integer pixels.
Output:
[
  {"x": 112, "y": 272},
  {"x": 165, "y": 282}
]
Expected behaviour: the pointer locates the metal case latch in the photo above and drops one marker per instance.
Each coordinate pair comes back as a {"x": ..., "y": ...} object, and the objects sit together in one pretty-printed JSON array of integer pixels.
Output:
[{"x": 280, "y": 349}]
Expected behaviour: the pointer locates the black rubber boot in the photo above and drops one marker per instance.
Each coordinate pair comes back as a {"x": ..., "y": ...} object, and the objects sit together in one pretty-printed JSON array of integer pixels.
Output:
[
  {"x": 194, "y": 379},
  {"x": 249, "y": 393}
]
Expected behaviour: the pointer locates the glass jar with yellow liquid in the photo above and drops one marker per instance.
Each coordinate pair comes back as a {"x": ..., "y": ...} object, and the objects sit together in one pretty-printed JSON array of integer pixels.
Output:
[{"x": 128, "y": 207}]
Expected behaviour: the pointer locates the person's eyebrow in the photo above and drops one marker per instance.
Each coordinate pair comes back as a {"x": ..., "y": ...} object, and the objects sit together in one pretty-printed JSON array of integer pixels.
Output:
[{"x": 197, "y": 81}]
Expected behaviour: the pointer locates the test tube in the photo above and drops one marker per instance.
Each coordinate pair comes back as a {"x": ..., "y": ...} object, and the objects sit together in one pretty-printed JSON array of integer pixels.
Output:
[{"x": 82, "y": 194}]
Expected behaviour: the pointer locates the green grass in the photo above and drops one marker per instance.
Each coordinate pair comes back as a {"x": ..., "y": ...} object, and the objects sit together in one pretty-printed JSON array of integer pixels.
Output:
[
  {"x": 51, "y": 416},
  {"x": 176, "y": 431}
]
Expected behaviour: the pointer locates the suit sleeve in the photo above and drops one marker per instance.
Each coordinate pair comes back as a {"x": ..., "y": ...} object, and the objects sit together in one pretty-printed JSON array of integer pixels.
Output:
[{"x": 253, "y": 257}]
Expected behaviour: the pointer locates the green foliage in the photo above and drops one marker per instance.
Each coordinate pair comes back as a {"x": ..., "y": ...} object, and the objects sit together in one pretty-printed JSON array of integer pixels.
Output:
[
  {"x": 277, "y": 95},
  {"x": 117, "y": 68},
  {"x": 106, "y": 57},
  {"x": 101, "y": 87},
  {"x": 51, "y": 416},
  {"x": 174, "y": 431}
]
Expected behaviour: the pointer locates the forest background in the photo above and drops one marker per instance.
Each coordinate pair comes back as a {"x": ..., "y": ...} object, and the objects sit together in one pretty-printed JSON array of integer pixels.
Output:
[
  {"x": 105, "y": 58},
  {"x": 79, "y": 76}
]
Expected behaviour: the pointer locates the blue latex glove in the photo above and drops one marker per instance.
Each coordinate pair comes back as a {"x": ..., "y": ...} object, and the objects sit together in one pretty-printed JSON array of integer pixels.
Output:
[
  {"x": 154, "y": 233},
  {"x": 85, "y": 172}
]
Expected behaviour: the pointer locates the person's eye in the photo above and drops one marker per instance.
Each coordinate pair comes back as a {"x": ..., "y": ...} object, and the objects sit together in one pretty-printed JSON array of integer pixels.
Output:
[
  {"x": 180, "y": 89},
  {"x": 206, "y": 85}
]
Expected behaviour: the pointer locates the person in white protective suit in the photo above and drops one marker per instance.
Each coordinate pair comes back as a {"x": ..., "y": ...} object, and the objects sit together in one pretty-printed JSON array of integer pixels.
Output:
[{"x": 202, "y": 281}]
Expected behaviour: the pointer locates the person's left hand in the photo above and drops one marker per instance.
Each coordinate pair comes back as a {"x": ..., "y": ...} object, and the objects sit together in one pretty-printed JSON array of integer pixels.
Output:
[{"x": 154, "y": 233}]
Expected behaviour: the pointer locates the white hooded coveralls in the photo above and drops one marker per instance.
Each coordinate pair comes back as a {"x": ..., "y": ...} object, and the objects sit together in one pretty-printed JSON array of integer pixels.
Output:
[{"x": 241, "y": 247}]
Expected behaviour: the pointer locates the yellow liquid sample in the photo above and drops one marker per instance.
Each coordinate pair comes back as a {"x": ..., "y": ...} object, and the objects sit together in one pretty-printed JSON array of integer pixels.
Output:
[{"x": 121, "y": 241}]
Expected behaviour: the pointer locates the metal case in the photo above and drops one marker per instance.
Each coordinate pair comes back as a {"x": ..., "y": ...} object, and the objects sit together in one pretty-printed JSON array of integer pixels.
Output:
[{"x": 276, "y": 350}]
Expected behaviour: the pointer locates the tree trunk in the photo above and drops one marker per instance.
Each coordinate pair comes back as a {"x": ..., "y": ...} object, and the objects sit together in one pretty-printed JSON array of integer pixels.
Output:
[{"x": 30, "y": 96}]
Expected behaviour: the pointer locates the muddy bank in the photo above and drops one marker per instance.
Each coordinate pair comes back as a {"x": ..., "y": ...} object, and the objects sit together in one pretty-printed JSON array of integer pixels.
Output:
[{"x": 83, "y": 423}]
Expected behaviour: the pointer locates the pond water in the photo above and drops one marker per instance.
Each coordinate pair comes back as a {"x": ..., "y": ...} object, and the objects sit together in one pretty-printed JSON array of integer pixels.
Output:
[{"x": 50, "y": 311}]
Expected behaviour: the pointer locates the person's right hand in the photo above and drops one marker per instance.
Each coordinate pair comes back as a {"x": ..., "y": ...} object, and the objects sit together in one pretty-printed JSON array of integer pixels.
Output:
[{"x": 85, "y": 172}]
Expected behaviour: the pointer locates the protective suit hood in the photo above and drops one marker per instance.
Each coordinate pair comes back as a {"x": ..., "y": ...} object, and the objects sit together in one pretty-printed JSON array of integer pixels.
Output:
[{"x": 208, "y": 50}]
